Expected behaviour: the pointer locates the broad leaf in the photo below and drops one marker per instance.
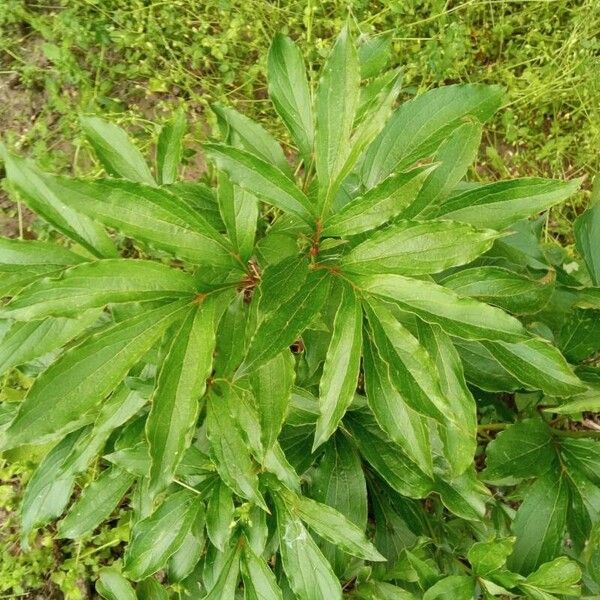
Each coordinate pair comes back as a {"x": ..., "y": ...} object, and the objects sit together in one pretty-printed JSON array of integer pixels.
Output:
[
  {"x": 342, "y": 363},
  {"x": 561, "y": 576},
  {"x": 373, "y": 55},
  {"x": 418, "y": 248},
  {"x": 111, "y": 585},
  {"x": 157, "y": 537},
  {"x": 116, "y": 152}
]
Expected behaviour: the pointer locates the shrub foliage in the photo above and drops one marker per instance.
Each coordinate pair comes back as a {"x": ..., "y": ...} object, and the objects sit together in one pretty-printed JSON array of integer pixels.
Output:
[{"x": 292, "y": 376}]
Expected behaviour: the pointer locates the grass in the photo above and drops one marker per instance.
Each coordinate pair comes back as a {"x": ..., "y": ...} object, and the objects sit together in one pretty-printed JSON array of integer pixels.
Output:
[{"x": 135, "y": 60}]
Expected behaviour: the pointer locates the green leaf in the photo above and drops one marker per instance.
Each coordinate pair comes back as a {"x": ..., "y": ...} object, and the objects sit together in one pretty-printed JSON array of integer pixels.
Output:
[
  {"x": 259, "y": 580},
  {"x": 116, "y": 152},
  {"x": 540, "y": 523},
  {"x": 263, "y": 179},
  {"x": 281, "y": 329},
  {"x": 96, "y": 503},
  {"x": 587, "y": 234},
  {"x": 453, "y": 587},
  {"x": 418, "y": 248},
  {"x": 582, "y": 455},
  {"x": 332, "y": 525},
  {"x": 252, "y": 137},
  {"x": 588, "y": 401},
  {"x": 457, "y": 316},
  {"x": 419, "y": 126},
  {"x": 522, "y": 450},
  {"x": 96, "y": 284},
  {"x": 199, "y": 198},
  {"x": 309, "y": 574},
  {"x": 374, "y": 54},
  {"x": 401, "y": 473},
  {"x": 169, "y": 148},
  {"x": 181, "y": 385},
  {"x": 111, "y": 585},
  {"x": 506, "y": 289},
  {"x": 239, "y": 209},
  {"x": 579, "y": 335},
  {"x": 60, "y": 400},
  {"x": 280, "y": 281},
  {"x": 226, "y": 583},
  {"x": 26, "y": 341},
  {"x": 45, "y": 197},
  {"x": 538, "y": 365},
  {"x": 336, "y": 102},
  {"x": 157, "y": 537},
  {"x": 455, "y": 155},
  {"x": 380, "y": 590},
  {"x": 290, "y": 93},
  {"x": 150, "y": 589},
  {"x": 561, "y": 577},
  {"x": 378, "y": 205},
  {"x": 459, "y": 430},
  {"x": 229, "y": 449},
  {"x": 342, "y": 363},
  {"x": 151, "y": 216},
  {"x": 220, "y": 516},
  {"x": 272, "y": 386},
  {"x": 502, "y": 203},
  {"x": 464, "y": 495},
  {"x": 488, "y": 557},
  {"x": 182, "y": 563}
]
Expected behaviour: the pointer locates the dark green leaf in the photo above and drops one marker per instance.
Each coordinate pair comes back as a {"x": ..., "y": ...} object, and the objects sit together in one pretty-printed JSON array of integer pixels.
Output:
[
  {"x": 150, "y": 589},
  {"x": 259, "y": 580},
  {"x": 453, "y": 587},
  {"x": 169, "y": 148},
  {"x": 374, "y": 54},
  {"x": 561, "y": 577},
  {"x": 219, "y": 516},
  {"x": 182, "y": 563},
  {"x": 279, "y": 282},
  {"x": 111, "y": 585},
  {"x": 226, "y": 583},
  {"x": 587, "y": 234}
]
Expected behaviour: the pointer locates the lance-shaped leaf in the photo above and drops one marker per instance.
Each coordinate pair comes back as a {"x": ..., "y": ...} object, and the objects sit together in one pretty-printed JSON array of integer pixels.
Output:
[
  {"x": 151, "y": 216},
  {"x": 61, "y": 398},
  {"x": 96, "y": 503},
  {"x": 332, "y": 525},
  {"x": 290, "y": 93},
  {"x": 387, "y": 458},
  {"x": 230, "y": 451},
  {"x": 502, "y": 203},
  {"x": 336, "y": 102},
  {"x": 281, "y": 329},
  {"x": 511, "y": 291},
  {"x": 150, "y": 589},
  {"x": 252, "y": 136},
  {"x": 181, "y": 384},
  {"x": 537, "y": 365},
  {"x": 157, "y": 537},
  {"x": 239, "y": 210},
  {"x": 263, "y": 179},
  {"x": 111, "y": 585},
  {"x": 342, "y": 363},
  {"x": 259, "y": 579},
  {"x": 587, "y": 234},
  {"x": 220, "y": 516},
  {"x": 25, "y": 341},
  {"x": 169, "y": 148},
  {"x": 45, "y": 197},
  {"x": 462, "y": 317},
  {"x": 540, "y": 523},
  {"x": 96, "y": 284},
  {"x": 279, "y": 282},
  {"x": 464, "y": 495},
  {"x": 419, "y": 248},
  {"x": 116, "y": 152},
  {"x": 272, "y": 386},
  {"x": 200, "y": 198},
  {"x": 455, "y": 155},
  {"x": 309, "y": 574},
  {"x": 182, "y": 563},
  {"x": 226, "y": 583},
  {"x": 373, "y": 55},
  {"x": 523, "y": 450},
  {"x": 419, "y": 126},
  {"x": 459, "y": 431},
  {"x": 378, "y": 205}
]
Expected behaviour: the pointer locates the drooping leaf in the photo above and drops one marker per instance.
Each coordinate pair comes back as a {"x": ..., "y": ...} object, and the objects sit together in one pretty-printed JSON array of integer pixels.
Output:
[
  {"x": 418, "y": 248},
  {"x": 464, "y": 495},
  {"x": 114, "y": 149},
  {"x": 226, "y": 583},
  {"x": 111, "y": 585},
  {"x": 219, "y": 516},
  {"x": 419, "y": 126},
  {"x": 96, "y": 503},
  {"x": 587, "y": 234},
  {"x": 169, "y": 148},
  {"x": 44, "y": 196},
  {"x": 502, "y": 203},
  {"x": 181, "y": 385},
  {"x": 342, "y": 363},
  {"x": 98, "y": 283},
  {"x": 259, "y": 580},
  {"x": 157, "y": 537},
  {"x": 378, "y": 205},
  {"x": 183, "y": 561},
  {"x": 462, "y": 317},
  {"x": 61, "y": 398},
  {"x": 262, "y": 179},
  {"x": 290, "y": 93}
]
